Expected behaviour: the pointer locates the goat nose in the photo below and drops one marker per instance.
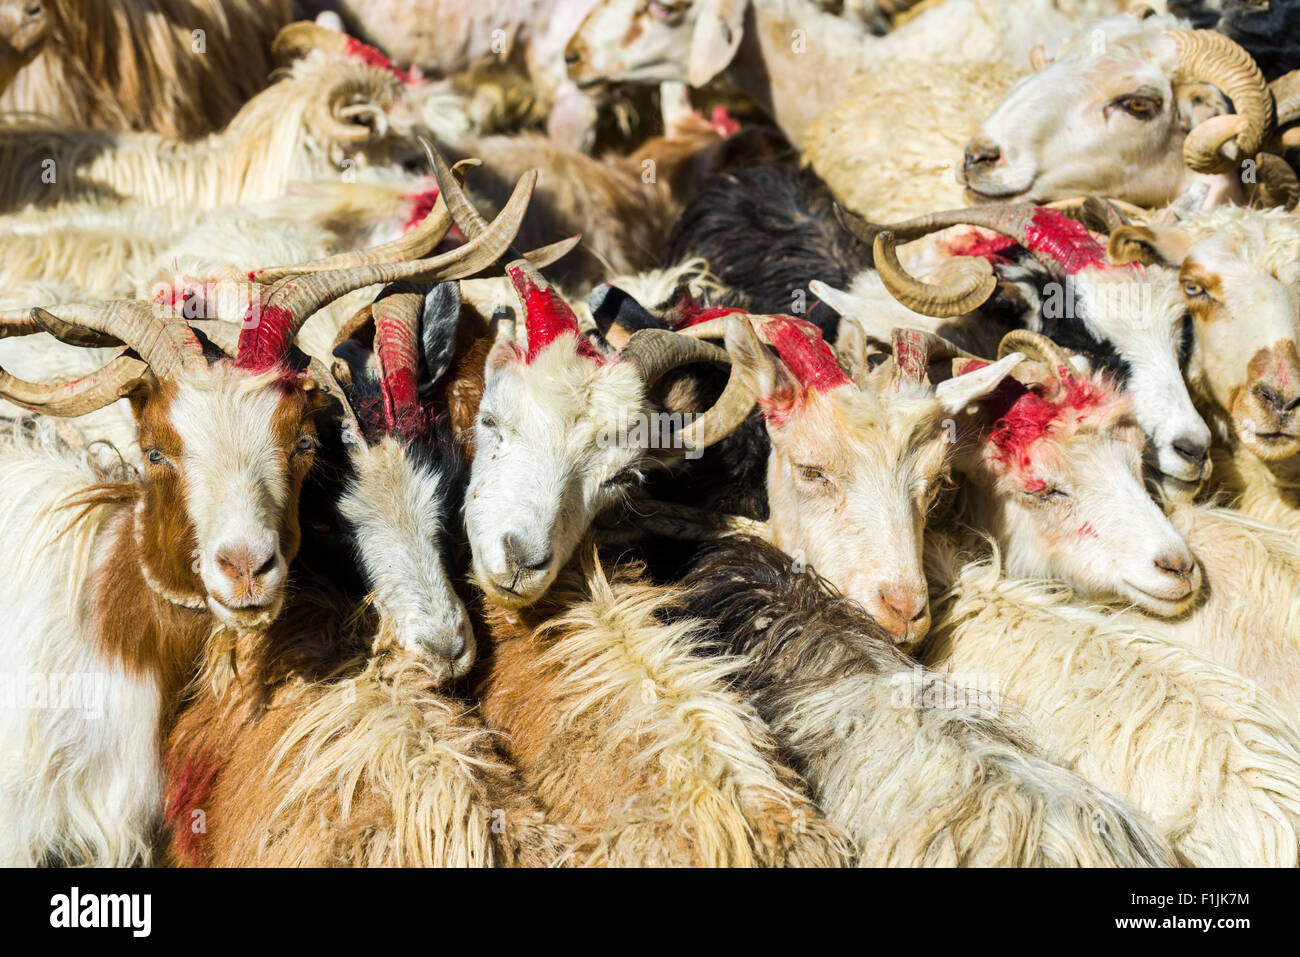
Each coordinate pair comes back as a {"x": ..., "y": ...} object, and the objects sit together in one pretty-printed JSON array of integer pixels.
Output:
[
  {"x": 980, "y": 150},
  {"x": 1275, "y": 399},
  {"x": 1176, "y": 565},
  {"x": 908, "y": 604},
  {"x": 1194, "y": 450},
  {"x": 517, "y": 556},
  {"x": 241, "y": 563}
]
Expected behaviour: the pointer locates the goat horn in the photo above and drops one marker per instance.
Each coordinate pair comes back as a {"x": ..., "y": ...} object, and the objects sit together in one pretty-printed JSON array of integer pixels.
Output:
[
  {"x": 326, "y": 121},
  {"x": 220, "y": 333},
  {"x": 300, "y": 38},
  {"x": 1036, "y": 346},
  {"x": 296, "y": 300},
  {"x": 962, "y": 284},
  {"x": 79, "y": 396},
  {"x": 1210, "y": 57},
  {"x": 1286, "y": 97},
  {"x": 167, "y": 345},
  {"x": 655, "y": 352},
  {"x": 396, "y": 311},
  {"x": 1277, "y": 184}
]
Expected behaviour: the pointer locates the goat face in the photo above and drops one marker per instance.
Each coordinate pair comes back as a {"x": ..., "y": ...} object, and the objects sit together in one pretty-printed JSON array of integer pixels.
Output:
[
  {"x": 397, "y": 506},
  {"x": 544, "y": 462},
  {"x": 1245, "y": 308},
  {"x": 1060, "y": 480},
  {"x": 225, "y": 456},
  {"x": 24, "y": 28},
  {"x": 644, "y": 42},
  {"x": 854, "y": 469},
  {"x": 1139, "y": 314},
  {"x": 1103, "y": 118}
]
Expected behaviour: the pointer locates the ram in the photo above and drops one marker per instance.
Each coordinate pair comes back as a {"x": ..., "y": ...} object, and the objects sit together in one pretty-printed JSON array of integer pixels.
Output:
[{"x": 179, "y": 68}]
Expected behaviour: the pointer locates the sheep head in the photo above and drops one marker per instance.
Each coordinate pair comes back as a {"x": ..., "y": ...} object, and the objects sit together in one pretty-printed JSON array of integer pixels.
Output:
[
  {"x": 1128, "y": 108},
  {"x": 1056, "y": 477},
  {"x": 854, "y": 467}
]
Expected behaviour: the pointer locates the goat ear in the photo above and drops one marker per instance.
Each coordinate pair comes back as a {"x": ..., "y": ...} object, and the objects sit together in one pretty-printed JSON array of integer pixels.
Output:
[
  {"x": 769, "y": 380},
  {"x": 503, "y": 348},
  {"x": 715, "y": 39},
  {"x": 439, "y": 324},
  {"x": 1165, "y": 245},
  {"x": 851, "y": 346},
  {"x": 617, "y": 315},
  {"x": 960, "y": 391}
]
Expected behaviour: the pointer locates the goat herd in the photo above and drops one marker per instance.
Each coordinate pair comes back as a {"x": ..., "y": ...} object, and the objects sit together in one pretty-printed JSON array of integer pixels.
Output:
[{"x": 777, "y": 433}]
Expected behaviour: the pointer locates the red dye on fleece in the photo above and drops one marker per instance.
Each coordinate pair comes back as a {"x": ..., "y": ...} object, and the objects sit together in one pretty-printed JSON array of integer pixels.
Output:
[
  {"x": 722, "y": 121},
  {"x": 369, "y": 55},
  {"x": 799, "y": 344},
  {"x": 1066, "y": 240},
  {"x": 548, "y": 317},
  {"x": 1031, "y": 417},
  {"x": 264, "y": 339},
  {"x": 1087, "y": 531},
  {"x": 189, "y": 789}
]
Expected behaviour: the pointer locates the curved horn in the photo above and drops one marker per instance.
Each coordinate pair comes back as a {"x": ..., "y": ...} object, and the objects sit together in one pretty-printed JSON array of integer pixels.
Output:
[
  {"x": 324, "y": 116},
  {"x": 1036, "y": 347},
  {"x": 300, "y": 38},
  {"x": 396, "y": 311},
  {"x": 265, "y": 342},
  {"x": 1286, "y": 98},
  {"x": 79, "y": 396},
  {"x": 1278, "y": 184},
  {"x": 1209, "y": 57},
  {"x": 655, "y": 352},
  {"x": 961, "y": 285},
  {"x": 167, "y": 345}
]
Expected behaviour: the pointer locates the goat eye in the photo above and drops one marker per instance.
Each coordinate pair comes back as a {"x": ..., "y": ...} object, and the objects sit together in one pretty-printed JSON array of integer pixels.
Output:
[
  {"x": 667, "y": 9},
  {"x": 1193, "y": 289},
  {"x": 489, "y": 422},
  {"x": 305, "y": 444},
  {"x": 1143, "y": 107},
  {"x": 1048, "y": 493},
  {"x": 155, "y": 457},
  {"x": 810, "y": 473}
]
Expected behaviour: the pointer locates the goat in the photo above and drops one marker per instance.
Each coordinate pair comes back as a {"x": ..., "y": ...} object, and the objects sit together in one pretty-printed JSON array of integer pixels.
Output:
[
  {"x": 178, "y": 68},
  {"x": 324, "y": 117},
  {"x": 360, "y": 759},
  {"x": 919, "y": 769},
  {"x": 200, "y": 544}
]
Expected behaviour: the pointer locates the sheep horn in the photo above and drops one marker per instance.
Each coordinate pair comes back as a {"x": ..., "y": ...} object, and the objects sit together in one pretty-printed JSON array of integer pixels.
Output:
[
  {"x": 324, "y": 118},
  {"x": 15, "y": 326},
  {"x": 963, "y": 284},
  {"x": 79, "y": 396},
  {"x": 167, "y": 345},
  {"x": 1210, "y": 57},
  {"x": 296, "y": 300}
]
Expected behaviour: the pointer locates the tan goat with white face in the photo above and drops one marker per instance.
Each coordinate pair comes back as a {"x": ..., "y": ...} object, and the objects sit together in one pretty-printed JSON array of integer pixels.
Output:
[{"x": 854, "y": 467}]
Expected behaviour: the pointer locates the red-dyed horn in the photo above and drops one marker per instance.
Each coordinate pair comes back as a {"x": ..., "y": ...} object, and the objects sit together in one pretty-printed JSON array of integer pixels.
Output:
[
  {"x": 266, "y": 336},
  {"x": 546, "y": 315},
  {"x": 1050, "y": 232},
  {"x": 396, "y": 316},
  {"x": 912, "y": 354},
  {"x": 799, "y": 344}
]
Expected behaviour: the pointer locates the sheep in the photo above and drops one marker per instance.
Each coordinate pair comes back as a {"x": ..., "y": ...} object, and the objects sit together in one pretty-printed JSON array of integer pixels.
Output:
[
  {"x": 324, "y": 117},
  {"x": 200, "y": 544},
  {"x": 178, "y": 68},
  {"x": 359, "y": 757},
  {"x": 761, "y": 45},
  {"x": 1129, "y": 108},
  {"x": 919, "y": 769}
]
